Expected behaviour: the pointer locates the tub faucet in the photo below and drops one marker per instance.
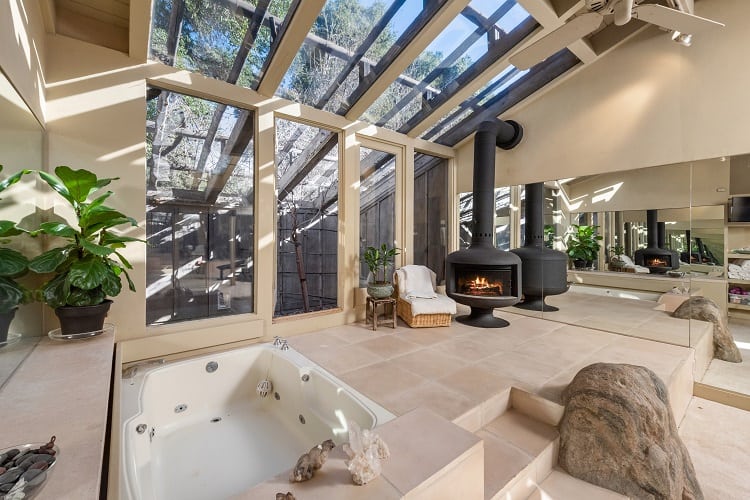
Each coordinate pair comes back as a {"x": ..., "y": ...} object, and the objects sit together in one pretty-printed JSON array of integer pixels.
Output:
[{"x": 280, "y": 343}]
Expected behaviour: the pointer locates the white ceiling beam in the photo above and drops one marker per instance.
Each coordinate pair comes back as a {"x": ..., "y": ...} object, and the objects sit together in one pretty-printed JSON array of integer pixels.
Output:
[
  {"x": 47, "y": 8},
  {"x": 420, "y": 42},
  {"x": 583, "y": 51},
  {"x": 294, "y": 35}
]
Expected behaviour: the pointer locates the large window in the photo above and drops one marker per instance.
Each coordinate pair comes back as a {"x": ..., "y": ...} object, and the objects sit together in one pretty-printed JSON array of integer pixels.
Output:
[
  {"x": 503, "y": 218},
  {"x": 199, "y": 223},
  {"x": 307, "y": 187},
  {"x": 431, "y": 212},
  {"x": 377, "y": 203}
]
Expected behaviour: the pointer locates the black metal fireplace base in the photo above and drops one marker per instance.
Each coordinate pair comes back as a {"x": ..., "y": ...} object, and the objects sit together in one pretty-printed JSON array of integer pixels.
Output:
[
  {"x": 531, "y": 303},
  {"x": 482, "y": 317}
]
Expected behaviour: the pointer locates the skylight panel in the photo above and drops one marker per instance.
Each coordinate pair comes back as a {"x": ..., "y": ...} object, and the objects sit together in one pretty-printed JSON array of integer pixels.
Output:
[
  {"x": 347, "y": 40},
  {"x": 229, "y": 41},
  {"x": 482, "y": 33}
]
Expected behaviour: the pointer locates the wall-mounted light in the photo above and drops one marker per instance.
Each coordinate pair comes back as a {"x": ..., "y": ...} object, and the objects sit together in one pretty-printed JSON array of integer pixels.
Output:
[{"x": 684, "y": 39}]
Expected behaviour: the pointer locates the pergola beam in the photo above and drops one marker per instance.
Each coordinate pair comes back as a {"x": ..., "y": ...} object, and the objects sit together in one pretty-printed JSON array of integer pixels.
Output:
[
  {"x": 241, "y": 135},
  {"x": 316, "y": 151}
]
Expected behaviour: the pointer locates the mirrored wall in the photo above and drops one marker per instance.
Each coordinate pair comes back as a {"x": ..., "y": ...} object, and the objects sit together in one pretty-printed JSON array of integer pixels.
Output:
[
  {"x": 656, "y": 236},
  {"x": 21, "y": 138}
]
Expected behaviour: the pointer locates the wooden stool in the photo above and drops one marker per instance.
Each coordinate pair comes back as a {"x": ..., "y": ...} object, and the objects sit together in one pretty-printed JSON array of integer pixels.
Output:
[{"x": 372, "y": 311}]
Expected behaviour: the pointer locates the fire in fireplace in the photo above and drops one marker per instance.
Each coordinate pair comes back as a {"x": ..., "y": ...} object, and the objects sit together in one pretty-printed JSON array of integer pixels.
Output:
[
  {"x": 479, "y": 282},
  {"x": 656, "y": 258},
  {"x": 658, "y": 261}
]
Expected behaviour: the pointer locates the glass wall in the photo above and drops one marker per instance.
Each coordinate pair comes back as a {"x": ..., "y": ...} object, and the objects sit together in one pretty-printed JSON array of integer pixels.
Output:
[
  {"x": 431, "y": 212},
  {"x": 199, "y": 222},
  {"x": 377, "y": 202},
  {"x": 307, "y": 188}
]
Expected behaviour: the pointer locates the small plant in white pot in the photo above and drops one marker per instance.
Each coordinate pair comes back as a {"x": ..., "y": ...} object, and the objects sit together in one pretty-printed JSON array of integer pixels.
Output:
[
  {"x": 88, "y": 267},
  {"x": 379, "y": 260}
]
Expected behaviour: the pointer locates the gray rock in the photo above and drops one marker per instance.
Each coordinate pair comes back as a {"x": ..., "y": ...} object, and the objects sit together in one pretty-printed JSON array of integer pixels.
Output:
[
  {"x": 11, "y": 476},
  {"x": 37, "y": 480},
  {"x": 618, "y": 432},
  {"x": 704, "y": 309},
  {"x": 5, "y": 488}
]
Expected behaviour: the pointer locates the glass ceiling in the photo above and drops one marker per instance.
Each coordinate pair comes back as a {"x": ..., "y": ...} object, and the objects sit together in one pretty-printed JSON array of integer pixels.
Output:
[
  {"x": 467, "y": 39},
  {"x": 350, "y": 45}
]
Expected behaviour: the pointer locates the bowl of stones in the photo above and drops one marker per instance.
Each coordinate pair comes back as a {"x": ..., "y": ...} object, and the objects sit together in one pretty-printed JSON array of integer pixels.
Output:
[{"x": 24, "y": 469}]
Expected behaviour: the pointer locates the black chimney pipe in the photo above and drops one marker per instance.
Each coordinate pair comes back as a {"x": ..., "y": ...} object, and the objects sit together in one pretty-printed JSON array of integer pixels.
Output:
[
  {"x": 490, "y": 134},
  {"x": 661, "y": 235},
  {"x": 534, "y": 227},
  {"x": 652, "y": 229}
]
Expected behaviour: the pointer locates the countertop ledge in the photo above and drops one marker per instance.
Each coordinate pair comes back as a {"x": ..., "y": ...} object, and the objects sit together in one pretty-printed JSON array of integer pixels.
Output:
[{"x": 62, "y": 389}]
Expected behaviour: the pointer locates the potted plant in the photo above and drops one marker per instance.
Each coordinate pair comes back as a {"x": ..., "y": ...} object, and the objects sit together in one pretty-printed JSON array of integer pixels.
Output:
[
  {"x": 378, "y": 260},
  {"x": 583, "y": 245},
  {"x": 88, "y": 267},
  {"x": 13, "y": 265},
  {"x": 615, "y": 259}
]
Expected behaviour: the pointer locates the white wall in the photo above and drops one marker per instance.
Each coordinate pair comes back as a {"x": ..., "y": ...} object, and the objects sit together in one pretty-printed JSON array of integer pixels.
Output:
[
  {"x": 649, "y": 102},
  {"x": 22, "y": 51}
]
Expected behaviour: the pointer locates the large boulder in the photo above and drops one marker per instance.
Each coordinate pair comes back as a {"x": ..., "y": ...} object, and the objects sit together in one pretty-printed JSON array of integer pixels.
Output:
[
  {"x": 618, "y": 432},
  {"x": 704, "y": 309}
]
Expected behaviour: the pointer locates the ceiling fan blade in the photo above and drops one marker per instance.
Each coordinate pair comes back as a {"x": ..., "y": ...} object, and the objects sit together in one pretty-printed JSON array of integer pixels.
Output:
[
  {"x": 672, "y": 19},
  {"x": 576, "y": 28}
]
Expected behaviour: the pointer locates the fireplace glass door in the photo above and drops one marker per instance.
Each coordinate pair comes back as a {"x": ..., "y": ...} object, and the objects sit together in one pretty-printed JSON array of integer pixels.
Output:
[{"x": 485, "y": 281}]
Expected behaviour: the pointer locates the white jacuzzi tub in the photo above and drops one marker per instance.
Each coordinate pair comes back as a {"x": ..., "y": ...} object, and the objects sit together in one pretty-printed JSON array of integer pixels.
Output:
[
  {"x": 192, "y": 433},
  {"x": 619, "y": 293}
]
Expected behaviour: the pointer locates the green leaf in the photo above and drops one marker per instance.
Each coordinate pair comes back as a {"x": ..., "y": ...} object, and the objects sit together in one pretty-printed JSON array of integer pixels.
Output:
[
  {"x": 58, "y": 229},
  {"x": 78, "y": 182},
  {"x": 111, "y": 285},
  {"x": 78, "y": 297},
  {"x": 131, "y": 285},
  {"x": 99, "y": 250},
  {"x": 12, "y": 263},
  {"x": 11, "y": 295},
  {"x": 55, "y": 292},
  {"x": 124, "y": 261},
  {"x": 8, "y": 228},
  {"x": 49, "y": 260},
  {"x": 5, "y": 184},
  {"x": 108, "y": 238},
  {"x": 90, "y": 207},
  {"x": 87, "y": 273},
  {"x": 103, "y": 217},
  {"x": 58, "y": 186}
]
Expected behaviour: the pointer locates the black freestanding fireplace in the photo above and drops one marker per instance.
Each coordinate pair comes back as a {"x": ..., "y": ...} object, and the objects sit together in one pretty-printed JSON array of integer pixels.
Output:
[
  {"x": 657, "y": 260},
  {"x": 545, "y": 271},
  {"x": 482, "y": 276}
]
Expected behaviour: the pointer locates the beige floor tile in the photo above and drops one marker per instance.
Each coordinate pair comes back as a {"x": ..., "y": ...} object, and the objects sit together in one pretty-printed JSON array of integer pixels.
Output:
[
  {"x": 476, "y": 384},
  {"x": 502, "y": 462},
  {"x": 428, "y": 363},
  {"x": 560, "y": 486},
  {"x": 432, "y": 396},
  {"x": 527, "y": 434},
  {"x": 381, "y": 380},
  {"x": 468, "y": 350},
  {"x": 356, "y": 332},
  {"x": 416, "y": 454},
  {"x": 345, "y": 358},
  {"x": 717, "y": 438},
  {"x": 519, "y": 367},
  {"x": 428, "y": 336},
  {"x": 389, "y": 346},
  {"x": 315, "y": 341}
]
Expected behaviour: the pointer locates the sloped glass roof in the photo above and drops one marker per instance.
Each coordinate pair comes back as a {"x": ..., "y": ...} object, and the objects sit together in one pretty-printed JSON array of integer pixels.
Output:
[
  {"x": 350, "y": 45},
  {"x": 474, "y": 34},
  {"x": 222, "y": 39}
]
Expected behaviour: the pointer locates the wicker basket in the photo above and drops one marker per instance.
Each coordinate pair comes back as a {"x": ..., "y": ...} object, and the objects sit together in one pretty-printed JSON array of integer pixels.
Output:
[{"x": 403, "y": 309}]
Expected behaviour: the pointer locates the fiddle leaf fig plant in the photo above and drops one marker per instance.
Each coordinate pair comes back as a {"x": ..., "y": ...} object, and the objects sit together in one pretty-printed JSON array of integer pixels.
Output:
[
  {"x": 88, "y": 268},
  {"x": 583, "y": 243},
  {"x": 378, "y": 260},
  {"x": 13, "y": 264}
]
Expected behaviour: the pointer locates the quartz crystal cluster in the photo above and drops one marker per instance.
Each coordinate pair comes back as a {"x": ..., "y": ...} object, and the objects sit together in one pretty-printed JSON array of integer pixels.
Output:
[{"x": 365, "y": 450}]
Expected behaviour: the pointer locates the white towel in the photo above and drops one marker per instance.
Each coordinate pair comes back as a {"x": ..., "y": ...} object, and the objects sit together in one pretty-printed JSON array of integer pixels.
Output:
[
  {"x": 418, "y": 282},
  {"x": 441, "y": 304}
]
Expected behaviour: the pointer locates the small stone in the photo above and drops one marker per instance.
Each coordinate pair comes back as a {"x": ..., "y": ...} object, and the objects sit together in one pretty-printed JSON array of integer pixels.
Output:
[
  {"x": 11, "y": 476},
  {"x": 5, "y": 488},
  {"x": 43, "y": 457},
  {"x": 28, "y": 459},
  {"x": 3, "y": 470},
  {"x": 39, "y": 465},
  {"x": 30, "y": 474},
  {"x": 285, "y": 496},
  {"x": 37, "y": 480},
  {"x": 12, "y": 453}
]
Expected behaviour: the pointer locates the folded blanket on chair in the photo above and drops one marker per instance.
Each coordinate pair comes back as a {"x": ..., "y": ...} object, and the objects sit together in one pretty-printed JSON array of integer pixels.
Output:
[{"x": 418, "y": 282}]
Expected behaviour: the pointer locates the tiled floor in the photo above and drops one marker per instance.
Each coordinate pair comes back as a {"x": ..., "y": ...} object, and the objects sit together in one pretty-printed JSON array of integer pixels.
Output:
[
  {"x": 733, "y": 376},
  {"x": 453, "y": 369}
]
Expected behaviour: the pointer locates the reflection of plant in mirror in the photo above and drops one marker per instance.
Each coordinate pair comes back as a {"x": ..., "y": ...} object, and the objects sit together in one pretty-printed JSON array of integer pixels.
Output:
[
  {"x": 615, "y": 256},
  {"x": 13, "y": 264},
  {"x": 583, "y": 243},
  {"x": 549, "y": 235}
]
